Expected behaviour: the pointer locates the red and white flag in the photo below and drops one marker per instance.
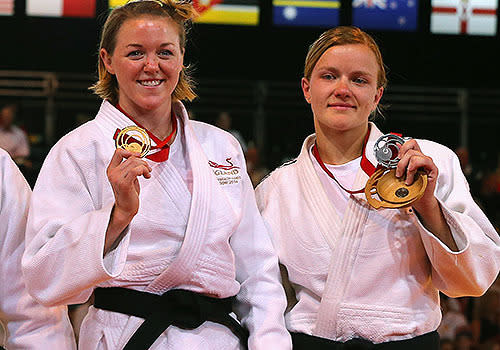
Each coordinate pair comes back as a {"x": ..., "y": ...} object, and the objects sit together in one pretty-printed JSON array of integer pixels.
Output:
[
  {"x": 61, "y": 8},
  {"x": 7, "y": 7},
  {"x": 477, "y": 17}
]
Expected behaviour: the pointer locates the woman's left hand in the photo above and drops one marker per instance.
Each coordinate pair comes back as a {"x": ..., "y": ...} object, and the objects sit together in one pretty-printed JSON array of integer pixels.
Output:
[
  {"x": 412, "y": 160},
  {"x": 427, "y": 207}
]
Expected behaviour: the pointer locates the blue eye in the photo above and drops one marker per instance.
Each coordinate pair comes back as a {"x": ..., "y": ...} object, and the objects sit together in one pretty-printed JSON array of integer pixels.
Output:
[
  {"x": 165, "y": 53},
  {"x": 134, "y": 54},
  {"x": 328, "y": 76},
  {"x": 360, "y": 81}
]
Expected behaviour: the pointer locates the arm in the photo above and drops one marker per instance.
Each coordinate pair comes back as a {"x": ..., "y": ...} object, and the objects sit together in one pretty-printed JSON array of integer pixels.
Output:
[
  {"x": 469, "y": 267},
  {"x": 70, "y": 239},
  {"x": 427, "y": 207},
  {"x": 261, "y": 300},
  {"x": 122, "y": 176},
  {"x": 29, "y": 325}
]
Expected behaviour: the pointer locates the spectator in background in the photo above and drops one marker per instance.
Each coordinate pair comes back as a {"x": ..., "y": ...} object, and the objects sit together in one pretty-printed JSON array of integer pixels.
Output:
[
  {"x": 464, "y": 341},
  {"x": 490, "y": 194},
  {"x": 224, "y": 122},
  {"x": 453, "y": 320},
  {"x": 447, "y": 344},
  {"x": 12, "y": 138},
  {"x": 472, "y": 174},
  {"x": 488, "y": 315},
  {"x": 255, "y": 169}
]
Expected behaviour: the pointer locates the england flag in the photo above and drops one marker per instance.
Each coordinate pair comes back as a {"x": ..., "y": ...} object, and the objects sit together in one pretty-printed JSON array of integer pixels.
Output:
[
  {"x": 7, "y": 7},
  {"x": 385, "y": 14},
  {"x": 61, "y": 8},
  {"x": 477, "y": 17}
]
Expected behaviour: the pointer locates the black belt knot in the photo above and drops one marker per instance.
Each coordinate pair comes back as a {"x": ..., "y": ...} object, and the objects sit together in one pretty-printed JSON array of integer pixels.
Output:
[
  {"x": 182, "y": 309},
  {"x": 177, "y": 307}
]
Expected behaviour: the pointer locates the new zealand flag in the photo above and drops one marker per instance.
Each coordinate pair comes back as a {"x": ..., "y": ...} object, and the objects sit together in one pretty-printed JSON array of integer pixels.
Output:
[
  {"x": 385, "y": 14},
  {"x": 316, "y": 13}
]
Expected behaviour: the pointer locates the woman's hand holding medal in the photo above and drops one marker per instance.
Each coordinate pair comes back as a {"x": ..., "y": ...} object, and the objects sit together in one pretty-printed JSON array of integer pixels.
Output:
[
  {"x": 427, "y": 208},
  {"x": 122, "y": 172}
]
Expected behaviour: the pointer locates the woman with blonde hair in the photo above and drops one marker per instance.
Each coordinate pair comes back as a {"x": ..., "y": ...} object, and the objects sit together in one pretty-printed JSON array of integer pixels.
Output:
[
  {"x": 361, "y": 277},
  {"x": 150, "y": 212}
]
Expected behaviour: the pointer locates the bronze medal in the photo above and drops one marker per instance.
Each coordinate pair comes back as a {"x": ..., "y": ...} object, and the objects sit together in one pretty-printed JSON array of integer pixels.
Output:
[{"x": 391, "y": 191}]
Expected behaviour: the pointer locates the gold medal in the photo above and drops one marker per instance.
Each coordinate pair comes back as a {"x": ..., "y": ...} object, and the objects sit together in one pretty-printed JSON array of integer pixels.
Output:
[{"x": 134, "y": 139}]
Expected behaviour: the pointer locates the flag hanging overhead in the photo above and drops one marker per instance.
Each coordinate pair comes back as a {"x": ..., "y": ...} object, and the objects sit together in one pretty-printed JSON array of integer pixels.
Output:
[
  {"x": 241, "y": 12},
  {"x": 478, "y": 17},
  {"x": 316, "y": 13},
  {"x": 115, "y": 3},
  {"x": 61, "y": 8},
  {"x": 238, "y": 12},
  {"x": 385, "y": 14},
  {"x": 6, "y": 7}
]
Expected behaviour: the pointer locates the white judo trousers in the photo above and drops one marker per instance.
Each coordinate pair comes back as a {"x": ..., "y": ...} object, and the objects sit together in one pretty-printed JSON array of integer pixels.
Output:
[{"x": 210, "y": 240}]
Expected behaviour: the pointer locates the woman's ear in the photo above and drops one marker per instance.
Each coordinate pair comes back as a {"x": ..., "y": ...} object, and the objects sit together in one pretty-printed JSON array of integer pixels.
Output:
[
  {"x": 306, "y": 89},
  {"x": 378, "y": 95},
  {"x": 107, "y": 60}
]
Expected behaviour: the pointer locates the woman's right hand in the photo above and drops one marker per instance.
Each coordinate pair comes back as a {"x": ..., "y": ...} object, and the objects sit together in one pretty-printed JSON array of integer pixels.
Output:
[{"x": 122, "y": 173}]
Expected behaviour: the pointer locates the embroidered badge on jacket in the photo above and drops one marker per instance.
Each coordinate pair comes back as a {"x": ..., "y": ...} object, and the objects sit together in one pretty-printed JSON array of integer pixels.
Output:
[{"x": 226, "y": 174}]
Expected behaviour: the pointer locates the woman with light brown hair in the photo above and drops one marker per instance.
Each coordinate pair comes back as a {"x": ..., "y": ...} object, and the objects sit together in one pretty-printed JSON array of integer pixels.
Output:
[
  {"x": 151, "y": 212},
  {"x": 365, "y": 272}
]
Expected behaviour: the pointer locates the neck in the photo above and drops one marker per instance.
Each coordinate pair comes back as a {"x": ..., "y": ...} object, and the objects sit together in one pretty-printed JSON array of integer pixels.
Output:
[
  {"x": 157, "y": 121},
  {"x": 339, "y": 147}
]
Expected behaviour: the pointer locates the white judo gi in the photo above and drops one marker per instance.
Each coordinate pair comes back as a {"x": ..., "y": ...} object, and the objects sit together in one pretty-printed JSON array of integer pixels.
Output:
[
  {"x": 198, "y": 228},
  {"x": 373, "y": 274},
  {"x": 28, "y": 324}
]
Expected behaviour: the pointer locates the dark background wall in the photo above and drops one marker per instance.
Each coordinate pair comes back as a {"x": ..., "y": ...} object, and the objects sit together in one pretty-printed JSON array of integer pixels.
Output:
[{"x": 263, "y": 52}]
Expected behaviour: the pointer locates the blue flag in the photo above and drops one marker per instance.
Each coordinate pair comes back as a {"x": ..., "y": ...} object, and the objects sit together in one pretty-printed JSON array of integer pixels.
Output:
[
  {"x": 316, "y": 13},
  {"x": 385, "y": 14}
]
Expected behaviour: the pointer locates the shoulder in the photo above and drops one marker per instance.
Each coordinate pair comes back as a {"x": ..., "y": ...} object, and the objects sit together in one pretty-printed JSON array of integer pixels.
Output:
[
  {"x": 4, "y": 156},
  {"x": 85, "y": 136},
  {"x": 217, "y": 142},
  {"x": 438, "y": 152},
  {"x": 17, "y": 130},
  {"x": 7, "y": 166},
  {"x": 13, "y": 186},
  {"x": 208, "y": 131},
  {"x": 278, "y": 177},
  {"x": 83, "y": 147}
]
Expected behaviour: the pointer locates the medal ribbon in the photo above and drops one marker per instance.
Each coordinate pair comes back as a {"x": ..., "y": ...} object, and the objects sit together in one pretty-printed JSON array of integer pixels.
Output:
[
  {"x": 367, "y": 167},
  {"x": 162, "y": 146}
]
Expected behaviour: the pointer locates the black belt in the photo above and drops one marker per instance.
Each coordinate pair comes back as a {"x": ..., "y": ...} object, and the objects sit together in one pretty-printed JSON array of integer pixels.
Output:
[
  {"x": 428, "y": 341},
  {"x": 177, "y": 307}
]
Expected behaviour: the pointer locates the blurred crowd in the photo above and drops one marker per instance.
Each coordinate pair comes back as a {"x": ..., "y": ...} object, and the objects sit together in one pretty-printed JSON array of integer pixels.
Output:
[{"x": 471, "y": 323}]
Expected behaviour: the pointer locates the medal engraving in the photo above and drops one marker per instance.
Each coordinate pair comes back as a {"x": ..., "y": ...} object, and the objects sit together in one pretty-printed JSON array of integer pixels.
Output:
[
  {"x": 402, "y": 192},
  {"x": 134, "y": 139},
  {"x": 386, "y": 150}
]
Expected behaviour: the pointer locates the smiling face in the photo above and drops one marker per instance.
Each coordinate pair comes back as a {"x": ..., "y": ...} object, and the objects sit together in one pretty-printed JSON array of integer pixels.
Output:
[
  {"x": 146, "y": 61},
  {"x": 342, "y": 89}
]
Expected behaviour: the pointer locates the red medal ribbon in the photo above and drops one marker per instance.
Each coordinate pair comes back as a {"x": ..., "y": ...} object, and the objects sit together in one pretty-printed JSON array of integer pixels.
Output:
[
  {"x": 162, "y": 145},
  {"x": 367, "y": 167}
]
